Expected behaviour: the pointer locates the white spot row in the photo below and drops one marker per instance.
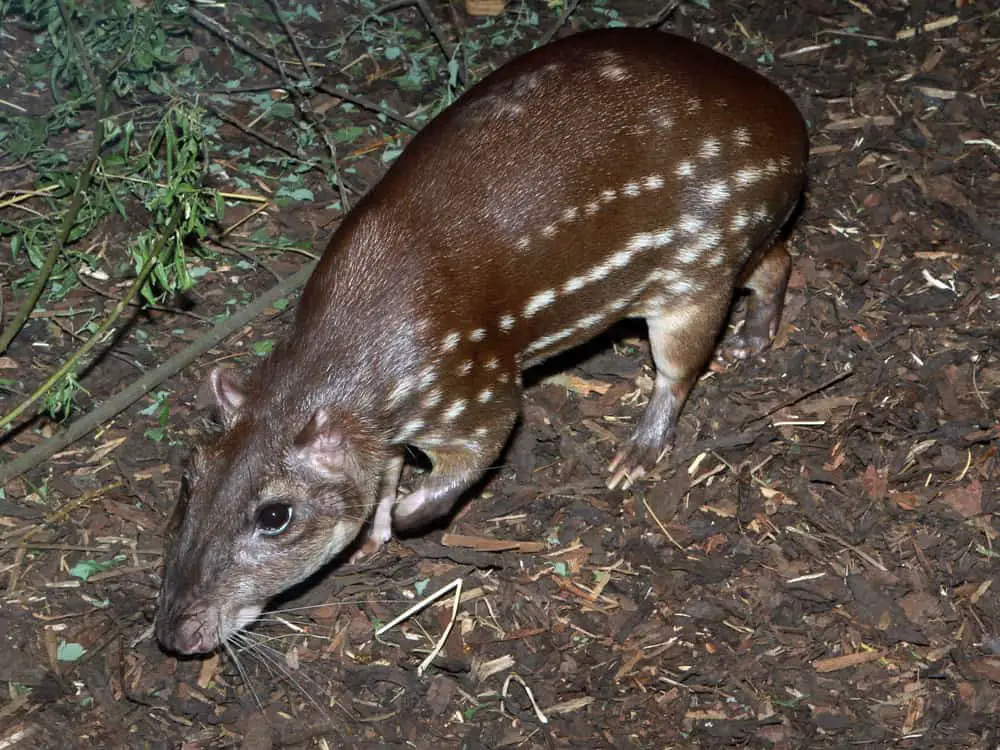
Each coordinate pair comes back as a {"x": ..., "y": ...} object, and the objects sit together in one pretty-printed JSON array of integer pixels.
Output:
[
  {"x": 710, "y": 148},
  {"x": 546, "y": 341},
  {"x": 454, "y": 409},
  {"x": 637, "y": 244},
  {"x": 675, "y": 282},
  {"x": 410, "y": 429},
  {"x": 451, "y": 341},
  {"x": 707, "y": 240},
  {"x": 605, "y": 315},
  {"x": 691, "y": 224},
  {"x": 539, "y": 302},
  {"x": 614, "y": 72},
  {"x": 402, "y": 388},
  {"x": 427, "y": 376},
  {"x": 716, "y": 192},
  {"x": 739, "y": 222},
  {"x": 748, "y": 176}
]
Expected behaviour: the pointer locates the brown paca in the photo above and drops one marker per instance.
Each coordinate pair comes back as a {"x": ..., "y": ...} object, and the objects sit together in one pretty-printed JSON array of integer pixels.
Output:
[{"x": 613, "y": 174}]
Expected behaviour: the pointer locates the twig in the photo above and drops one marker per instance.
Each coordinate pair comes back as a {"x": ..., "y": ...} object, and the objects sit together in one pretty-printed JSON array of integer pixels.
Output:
[
  {"x": 661, "y": 17},
  {"x": 659, "y": 523},
  {"x": 447, "y": 50},
  {"x": 909, "y": 32},
  {"x": 291, "y": 40},
  {"x": 70, "y": 364},
  {"x": 216, "y": 28},
  {"x": 25, "y": 535},
  {"x": 423, "y": 603},
  {"x": 69, "y": 218},
  {"x": 151, "y": 380},
  {"x": 307, "y": 113},
  {"x": 514, "y": 677},
  {"x": 550, "y": 34},
  {"x": 80, "y": 337},
  {"x": 801, "y": 397},
  {"x": 139, "y": 305},
  {"x": 270, "y": 142}
]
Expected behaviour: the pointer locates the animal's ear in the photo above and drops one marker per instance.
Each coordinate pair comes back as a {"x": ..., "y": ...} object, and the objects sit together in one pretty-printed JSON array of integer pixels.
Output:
[
  {"x": 228, "y": 394},
  {"x": 325, "y": 445}
]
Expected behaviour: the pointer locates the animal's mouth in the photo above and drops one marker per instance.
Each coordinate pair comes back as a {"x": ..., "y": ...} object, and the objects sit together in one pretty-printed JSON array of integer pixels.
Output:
[{"x": 202, "y": 627}]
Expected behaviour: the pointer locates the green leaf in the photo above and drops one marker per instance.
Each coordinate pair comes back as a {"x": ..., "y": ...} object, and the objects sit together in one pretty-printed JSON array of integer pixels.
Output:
[
  {"x": 389, "y": 155},
  {"x": 301, "y": 194},
  {"x": 263, "y": 348},
  {"x": 86, "y": 568},
  {"x": 155, "y": 434},
  {"x": 283, "y": 110},
  {"x": 69, "y": 651}
]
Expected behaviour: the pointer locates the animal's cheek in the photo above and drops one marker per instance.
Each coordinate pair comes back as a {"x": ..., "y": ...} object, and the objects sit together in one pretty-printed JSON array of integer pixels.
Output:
[{"x": 322, "y": 540}]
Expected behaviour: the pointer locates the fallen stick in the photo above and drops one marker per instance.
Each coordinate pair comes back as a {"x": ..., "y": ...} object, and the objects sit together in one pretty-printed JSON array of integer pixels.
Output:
[{"x": 122, "y": 400}]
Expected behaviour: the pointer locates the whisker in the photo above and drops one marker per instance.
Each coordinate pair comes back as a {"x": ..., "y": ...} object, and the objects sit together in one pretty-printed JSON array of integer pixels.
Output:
[
  {"x": 243, "y": 674},
  {"x": 344, "y": 603},
  {"x": 276, "y": 663}
]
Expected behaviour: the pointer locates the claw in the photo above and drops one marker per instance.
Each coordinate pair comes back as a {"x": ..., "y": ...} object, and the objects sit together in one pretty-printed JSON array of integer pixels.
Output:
[
  {"x": 740, "y": 348},
  {"x": 632, "y": 464},
  {"x": 377, "y": 537}
]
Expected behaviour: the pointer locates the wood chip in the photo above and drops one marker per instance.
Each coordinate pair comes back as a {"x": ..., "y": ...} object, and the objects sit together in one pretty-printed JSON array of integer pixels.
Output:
[
  {"x": 489, "y": 544},
  {"x": 846, "y": 661}
]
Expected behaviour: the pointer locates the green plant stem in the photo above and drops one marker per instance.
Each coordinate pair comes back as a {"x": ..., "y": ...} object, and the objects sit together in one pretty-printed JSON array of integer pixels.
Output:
[
  {"x": 69, "y": 219},
  {"x": 70, "y": 364},
  {"x": 125, "y": 398},
  {"x": 82, "y": 183}
]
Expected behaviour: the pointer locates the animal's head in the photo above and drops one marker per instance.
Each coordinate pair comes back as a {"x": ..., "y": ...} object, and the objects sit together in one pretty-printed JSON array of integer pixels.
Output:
[{"x": 262, "y": 508}]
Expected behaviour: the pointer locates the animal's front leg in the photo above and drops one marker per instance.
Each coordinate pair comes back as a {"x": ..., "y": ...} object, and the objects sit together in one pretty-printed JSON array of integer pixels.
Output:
[
  {"x": 456, "y": 467},
  {"x": 380, "y": 529}
]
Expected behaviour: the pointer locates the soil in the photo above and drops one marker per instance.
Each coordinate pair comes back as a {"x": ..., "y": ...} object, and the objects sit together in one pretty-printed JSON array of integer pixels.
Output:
[{"x": 815, "y": 565}]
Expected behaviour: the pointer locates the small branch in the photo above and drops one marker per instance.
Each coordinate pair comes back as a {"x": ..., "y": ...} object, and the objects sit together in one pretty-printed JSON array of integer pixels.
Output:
[
  {"x": 70, "y": 364},
  {"x": 803, "y": 396},
  {"x": 309, "y": 116},
  {"x": 550, "y": 34},
  {"x": 446, "y": 49},
  {"x": 276, "y": 9},
  {"x": 82, "y": 183},
  {"x": 656, "y": 21},
  {"x": 69, "y": 219},
  {"x": 216, "y": 28},
  {"x": 122, "y": 400}
]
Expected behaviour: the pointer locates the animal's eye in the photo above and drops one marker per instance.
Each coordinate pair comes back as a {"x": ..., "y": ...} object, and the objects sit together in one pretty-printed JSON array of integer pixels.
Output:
[{"x": 274, "y": 518}]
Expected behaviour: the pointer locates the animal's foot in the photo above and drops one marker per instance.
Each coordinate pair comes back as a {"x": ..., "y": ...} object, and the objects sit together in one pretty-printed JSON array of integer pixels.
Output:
[{"x": 635, "y": 460}]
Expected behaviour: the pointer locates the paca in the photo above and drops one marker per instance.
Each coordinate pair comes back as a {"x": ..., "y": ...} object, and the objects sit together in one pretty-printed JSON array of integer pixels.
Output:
[{"x": 618, "y": 173}]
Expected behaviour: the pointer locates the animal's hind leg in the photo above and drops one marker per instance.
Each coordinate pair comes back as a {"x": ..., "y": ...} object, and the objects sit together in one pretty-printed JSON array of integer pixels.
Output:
[
  {"x": 767, "y": 283},
  {"x": 682, "y": 339}
]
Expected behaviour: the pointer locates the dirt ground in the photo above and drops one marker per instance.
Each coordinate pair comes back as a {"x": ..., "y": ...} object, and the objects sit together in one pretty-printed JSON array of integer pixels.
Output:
[{"x": 815, "y": 566}]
